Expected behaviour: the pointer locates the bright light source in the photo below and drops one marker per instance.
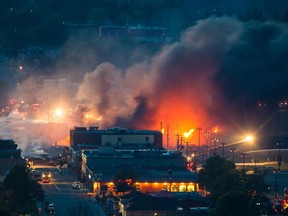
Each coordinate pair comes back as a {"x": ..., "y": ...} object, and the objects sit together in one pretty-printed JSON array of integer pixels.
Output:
[
  {"x": 58, "y": 112},
  {"x": 187, "y": 134},
  {"x": 249, "y": 138}
]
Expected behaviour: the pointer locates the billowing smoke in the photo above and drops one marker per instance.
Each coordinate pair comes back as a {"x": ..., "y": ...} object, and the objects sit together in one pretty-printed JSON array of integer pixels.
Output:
[
  {"x": 212, "y": 76},
  {"x": 176, "y": 86}
]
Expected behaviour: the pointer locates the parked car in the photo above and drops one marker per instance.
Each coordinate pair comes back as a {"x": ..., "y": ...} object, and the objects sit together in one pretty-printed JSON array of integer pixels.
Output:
[
  {"x": 49, "y": 208},
  {"x": 76, "y": 185}
]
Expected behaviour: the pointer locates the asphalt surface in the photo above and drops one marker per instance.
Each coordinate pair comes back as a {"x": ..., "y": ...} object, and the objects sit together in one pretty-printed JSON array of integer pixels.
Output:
[{"x": 67, "y": 201}]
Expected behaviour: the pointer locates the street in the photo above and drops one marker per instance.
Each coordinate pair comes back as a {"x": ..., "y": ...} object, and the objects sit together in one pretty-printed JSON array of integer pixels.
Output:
[{"x": 67, "y": 201}]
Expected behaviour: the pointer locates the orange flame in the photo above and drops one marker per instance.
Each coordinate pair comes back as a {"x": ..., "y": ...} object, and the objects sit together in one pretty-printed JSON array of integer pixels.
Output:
[{"x": 187, "y": 134}]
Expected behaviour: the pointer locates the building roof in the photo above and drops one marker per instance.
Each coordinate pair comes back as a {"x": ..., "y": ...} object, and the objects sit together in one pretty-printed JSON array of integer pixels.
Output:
[
  {"x": 132, "y": 195},
  {"x": 161, "y": 193},
  {"x": 152, "y": 175},
  {"x": 114, "y": 130},
  {"x": 176, "y": 176},
  {"x": 149, "y": 203}
]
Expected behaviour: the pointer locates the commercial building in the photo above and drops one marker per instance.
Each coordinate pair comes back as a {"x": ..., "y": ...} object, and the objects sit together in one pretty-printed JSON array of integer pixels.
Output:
[
  {"x": 156, "y": 169},
  {"x": 116, "y": 137},
  {"x": 99, "y": 154}
]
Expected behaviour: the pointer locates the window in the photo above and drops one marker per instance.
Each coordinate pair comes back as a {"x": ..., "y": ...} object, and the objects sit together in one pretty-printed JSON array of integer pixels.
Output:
[{"x": 147, "y": 139}]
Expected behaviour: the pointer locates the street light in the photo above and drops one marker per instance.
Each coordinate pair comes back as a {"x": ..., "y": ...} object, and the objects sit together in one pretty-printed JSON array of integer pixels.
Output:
[
  {"x": 223, "y": 148},
  {"x": 233, "y": 150},
  {"x": 279, "y": 160},
  {"x": 187, "y": 149},
  {"x": 207, "y": 134},
  {"x": 215, "y": 140},
  {"x": 243, "y": 156}
]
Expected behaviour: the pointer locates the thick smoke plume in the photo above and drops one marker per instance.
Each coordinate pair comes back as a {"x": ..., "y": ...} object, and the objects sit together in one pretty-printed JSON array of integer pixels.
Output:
[
  {"x": 211, "y": 77},
  {"x": 175, "y": 87}
]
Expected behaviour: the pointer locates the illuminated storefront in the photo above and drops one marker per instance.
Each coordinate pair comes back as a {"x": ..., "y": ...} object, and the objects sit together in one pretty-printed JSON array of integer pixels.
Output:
[{"x": 148, "y": 187}]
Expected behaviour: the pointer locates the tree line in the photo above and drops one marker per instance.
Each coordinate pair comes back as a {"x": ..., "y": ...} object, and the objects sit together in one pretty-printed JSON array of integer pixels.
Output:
[{"x": 19, "y": 194}]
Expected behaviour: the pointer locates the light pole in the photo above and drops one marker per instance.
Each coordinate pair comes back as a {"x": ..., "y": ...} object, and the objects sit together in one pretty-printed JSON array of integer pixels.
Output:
[
  {"x": 199, "y": 129},
  {"x": 215, "y": 140},
  {"x": 187, "y": 149},
  {"x": 243, "y": 156},
  {"x": 233, "y": 150},
  {"x": 223, "y": 148},
  {"x": 170, "y": 174},
  {"x": 207, "y": 134},
  {"x": 279, "y": 160}
]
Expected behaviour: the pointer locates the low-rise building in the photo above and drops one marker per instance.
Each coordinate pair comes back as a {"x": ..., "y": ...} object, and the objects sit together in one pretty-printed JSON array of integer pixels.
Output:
[
  {"x": 115, "y": 137},
  {"x": 100, "y": 154},
  {"x": 162, "y": 203},
  {"x": 155, "y": 169}
]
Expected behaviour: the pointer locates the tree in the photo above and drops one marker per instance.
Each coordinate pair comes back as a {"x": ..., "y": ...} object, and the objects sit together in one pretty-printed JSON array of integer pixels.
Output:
[
  {"x": 232, "y": 203},
  {"x": 218, "y": 176},
  {"x": 7, "y": 201},
  {"x": 124, "y": 180},
  {"x": 25, "y": 191},
  {"x": 234, "y": 192}
]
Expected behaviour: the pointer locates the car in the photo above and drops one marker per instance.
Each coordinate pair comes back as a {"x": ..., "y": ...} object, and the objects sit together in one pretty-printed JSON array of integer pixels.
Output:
[
  {"x": 76, "y": 185},
  {"x": 46, "y": 177},
  {"x": 49, "y": 208}
]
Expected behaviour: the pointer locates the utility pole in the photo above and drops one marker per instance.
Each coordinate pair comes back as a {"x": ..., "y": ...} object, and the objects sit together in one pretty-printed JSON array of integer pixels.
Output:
[
  {"x": 187, "y": 153},
  {"x": 279, "y": 160},
  {"x": 215, "y": 140},
  {"x": 207, "y": 134},
  {"x": 181, "y": 146},
  {"x": 167, "y": 136},
  {"x": 233, "y": 150},
  {"x": 199, "y": 129},
  {"x": 223, "y": 148},
  {"x": 243, "y": 156}
]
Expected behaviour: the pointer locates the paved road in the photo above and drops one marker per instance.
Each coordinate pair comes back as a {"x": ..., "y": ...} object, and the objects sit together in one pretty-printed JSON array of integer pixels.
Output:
[{"x": 67, "y": 201}]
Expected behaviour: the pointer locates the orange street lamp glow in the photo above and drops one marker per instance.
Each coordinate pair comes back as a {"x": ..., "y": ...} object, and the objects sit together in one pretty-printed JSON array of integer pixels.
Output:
[{"x": 249, "y": 138}]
